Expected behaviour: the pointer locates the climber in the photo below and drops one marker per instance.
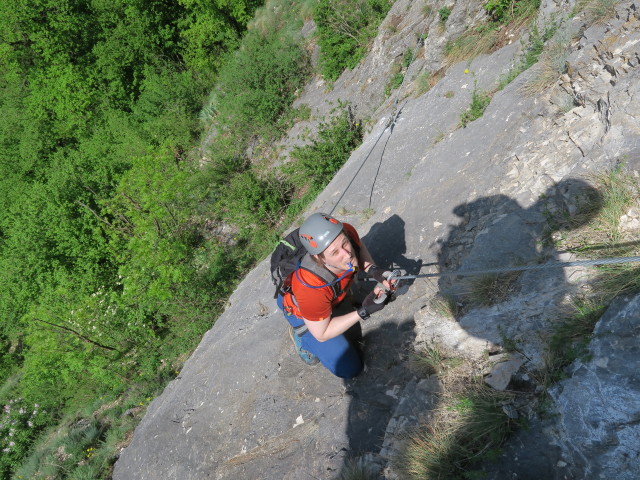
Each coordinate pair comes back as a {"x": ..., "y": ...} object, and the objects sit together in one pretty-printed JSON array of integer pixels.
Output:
[{"x": 318, "y": 288}]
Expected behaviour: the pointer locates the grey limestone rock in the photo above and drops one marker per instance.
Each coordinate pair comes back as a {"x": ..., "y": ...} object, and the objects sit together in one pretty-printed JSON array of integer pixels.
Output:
[{"x": 599, "y": 405}]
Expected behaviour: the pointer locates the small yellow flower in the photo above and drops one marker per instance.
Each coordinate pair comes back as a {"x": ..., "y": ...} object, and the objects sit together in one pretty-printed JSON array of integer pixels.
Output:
[{"x": 466, "y": 70}]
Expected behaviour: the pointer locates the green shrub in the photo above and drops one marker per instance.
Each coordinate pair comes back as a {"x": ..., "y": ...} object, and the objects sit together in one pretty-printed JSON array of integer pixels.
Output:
[
  {"x": 253, "y": 201},
  {"x": 316, "y": 164},
  {"x": 345, "y": 29},
  {"x": 259, "y": 84},
  {"x": 503, "y": 11},
  {"x": 407, "y": 58},
  {"x": 423, "y": 83},
  {"x": 444, "y": 13},
  {"x": 479, "y": 103},
  {"x": 20, "y": 423}
]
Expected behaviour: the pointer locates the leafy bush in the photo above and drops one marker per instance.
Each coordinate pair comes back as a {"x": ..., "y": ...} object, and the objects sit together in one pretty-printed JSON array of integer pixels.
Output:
[
  {"x": 20, "y": 423},
  {"x": 259, "y": 83},
  {"x": 252, "y": 201},
  {"x": 316, "y": 164},
  {"x": 444, "y": 13},
  {"x": 345, "y": 29},
  {"x": 499, "y": 9}
]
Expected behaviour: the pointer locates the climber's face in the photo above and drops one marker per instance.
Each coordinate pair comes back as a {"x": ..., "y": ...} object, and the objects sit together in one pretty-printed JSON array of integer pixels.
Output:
[{"x": 338, "y": 255}]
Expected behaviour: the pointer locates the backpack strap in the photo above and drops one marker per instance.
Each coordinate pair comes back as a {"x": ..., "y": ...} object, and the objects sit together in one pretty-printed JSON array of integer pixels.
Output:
[{"x": 327, "y": 276}]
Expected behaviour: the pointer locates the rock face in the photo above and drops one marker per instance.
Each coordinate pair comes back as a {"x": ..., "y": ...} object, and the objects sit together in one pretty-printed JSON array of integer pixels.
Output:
[
  {"x": 599, "y": 406},
  {"x": 442, "y": 196}
]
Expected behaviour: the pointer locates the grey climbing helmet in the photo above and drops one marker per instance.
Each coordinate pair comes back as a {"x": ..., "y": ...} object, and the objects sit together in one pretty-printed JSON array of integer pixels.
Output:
[{"x": 318, "y": 231}]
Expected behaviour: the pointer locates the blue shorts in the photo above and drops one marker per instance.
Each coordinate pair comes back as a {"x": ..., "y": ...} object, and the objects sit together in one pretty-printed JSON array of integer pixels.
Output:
[{"x": 337, "y": 354}]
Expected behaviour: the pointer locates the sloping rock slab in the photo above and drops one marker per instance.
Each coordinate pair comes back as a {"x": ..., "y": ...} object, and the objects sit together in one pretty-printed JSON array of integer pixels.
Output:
[{"x": 599, "y": 406}]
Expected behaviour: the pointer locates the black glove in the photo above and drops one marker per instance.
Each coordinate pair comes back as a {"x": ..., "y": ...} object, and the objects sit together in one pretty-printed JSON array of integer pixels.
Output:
[
  {"x": 369, "y": 306},
  {"x": 376, "y": 273}
]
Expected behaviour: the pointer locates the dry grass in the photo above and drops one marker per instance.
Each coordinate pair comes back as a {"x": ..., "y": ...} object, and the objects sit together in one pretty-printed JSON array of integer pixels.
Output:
[
  {"x": 431, "y": 359},
  {"x": 487, "y": 38},
  {"x": 596, "y": 227},
  {"x": 357, "y": 470},
  {"x": 468, "y": 426},
  {"x": 596, "y": 11},
  {"x": 445, "y": 306},
  {"x": 551, "y": 64},
  {"x": 597, "y": 234},
  {"x": 487, "y": 290},
  {"x": 470, "y": 45}
]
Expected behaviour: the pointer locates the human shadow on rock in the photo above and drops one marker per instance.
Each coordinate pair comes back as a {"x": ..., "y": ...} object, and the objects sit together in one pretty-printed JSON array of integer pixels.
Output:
[
  {"x": 495, "y": 232},
  {"x": 387, "y": 245},
  {"x": 388, "y": 339}
]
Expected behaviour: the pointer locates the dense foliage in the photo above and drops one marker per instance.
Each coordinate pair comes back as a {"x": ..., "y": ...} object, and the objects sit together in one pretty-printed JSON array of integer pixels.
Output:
[
  {"x": 345, "y": 29},
  {"x": 119, "y": 238}
]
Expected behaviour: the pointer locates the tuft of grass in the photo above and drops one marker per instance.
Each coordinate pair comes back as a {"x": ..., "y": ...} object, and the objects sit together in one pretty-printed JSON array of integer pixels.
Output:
[
  {"x": 445, "y": 305},
  {"x": 570, "y": 339},
  {"x": 595, "y": 227},
  {"x": 620, "y": 191},
  {"x": 493, "y": 34},
  {"x": 469, "y": 425},
  {"x": 356, "y": 469},
  {"x": 367, "y": 213},
  {"x": 423, "y": 83},
  {"x": 533, "y": 49},
  {"x": 594, "y": 231},
  {"x": 431, "y": 360},
  {"x": 551, "y": 63},
  {"x": 487, "y": 290},
  {"x": 479, "y": 102},
  {"x": 469, "y": 45},
  {"x": 596, "y": 11}
]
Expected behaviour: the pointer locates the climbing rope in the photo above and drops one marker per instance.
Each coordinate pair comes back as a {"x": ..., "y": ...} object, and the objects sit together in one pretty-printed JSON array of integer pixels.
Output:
[
  {"x": 395, "y": 113},
  {"x": 578, "y": 263}
]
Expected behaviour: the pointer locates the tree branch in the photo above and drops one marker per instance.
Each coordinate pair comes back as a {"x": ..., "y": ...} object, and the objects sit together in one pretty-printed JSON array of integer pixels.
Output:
[{"x": 79, "y": 335}]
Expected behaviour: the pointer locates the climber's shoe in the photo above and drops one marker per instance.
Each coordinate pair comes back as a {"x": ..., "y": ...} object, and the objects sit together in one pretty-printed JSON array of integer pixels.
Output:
[{"x": 308, "y": 357}]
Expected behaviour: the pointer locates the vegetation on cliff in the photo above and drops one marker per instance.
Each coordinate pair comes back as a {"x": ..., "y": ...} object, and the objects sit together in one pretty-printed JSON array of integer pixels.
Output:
[{"x": 120, "y": 234}]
